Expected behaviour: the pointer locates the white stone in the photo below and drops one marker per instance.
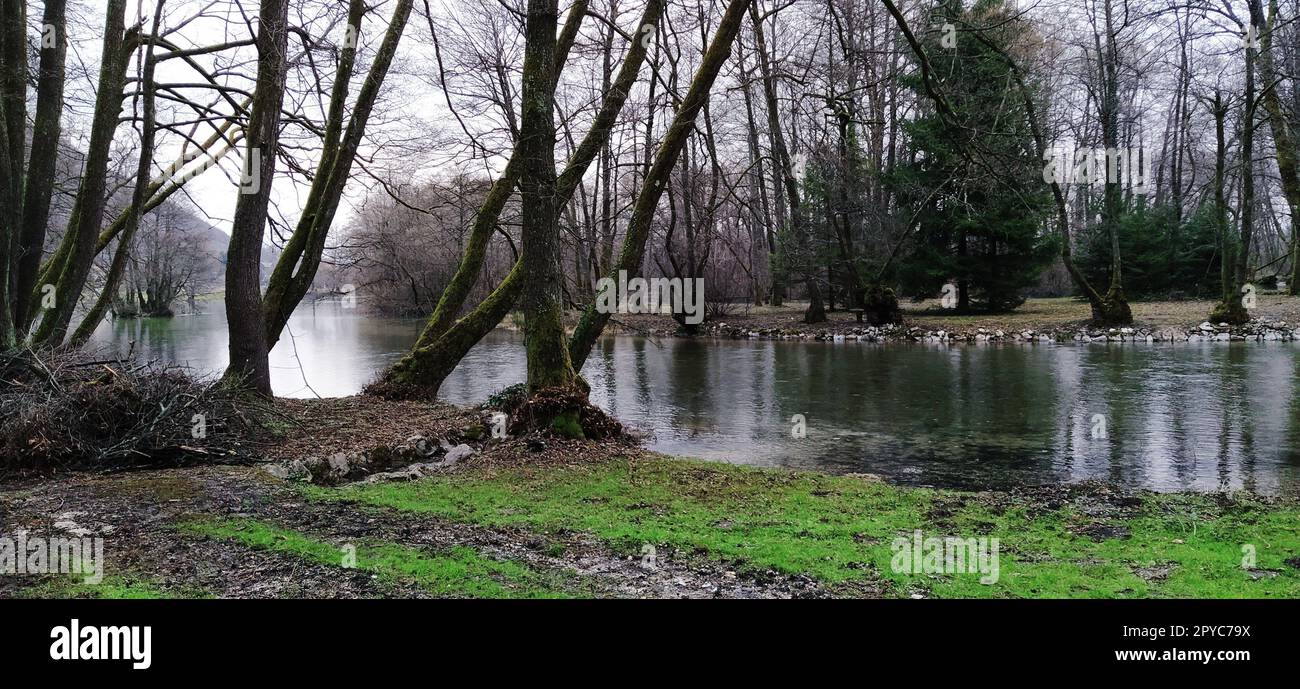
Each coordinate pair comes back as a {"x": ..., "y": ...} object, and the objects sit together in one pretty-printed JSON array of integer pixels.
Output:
[{"x": 458, "y": 453}]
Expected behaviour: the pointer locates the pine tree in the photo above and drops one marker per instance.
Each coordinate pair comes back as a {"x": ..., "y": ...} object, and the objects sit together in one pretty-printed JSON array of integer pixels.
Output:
[{"x": 975, "y": 181}]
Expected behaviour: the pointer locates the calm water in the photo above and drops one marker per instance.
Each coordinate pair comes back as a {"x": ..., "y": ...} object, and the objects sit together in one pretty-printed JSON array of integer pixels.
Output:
[{"x": 1176, "y": 417}]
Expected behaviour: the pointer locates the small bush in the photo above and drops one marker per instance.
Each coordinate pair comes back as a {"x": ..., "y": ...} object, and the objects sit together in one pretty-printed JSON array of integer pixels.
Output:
[{"x": 508, "y": 399}]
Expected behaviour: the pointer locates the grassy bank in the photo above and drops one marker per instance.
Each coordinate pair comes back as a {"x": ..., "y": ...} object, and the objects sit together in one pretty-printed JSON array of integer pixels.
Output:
[
  {"x": 644, "y": 526},
  {"x": 1067, "y": 542}
]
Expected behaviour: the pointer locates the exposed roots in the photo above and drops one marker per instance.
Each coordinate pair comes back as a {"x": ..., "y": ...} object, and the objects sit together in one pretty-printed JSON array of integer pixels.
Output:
[
  {"x": 880, "y": 306},
  {"x": 1231, "y": 312},
  {"x": 1113, "y": 310},
  {"x": 564, "y": 412},
  {"x": 390, "y": 389}
]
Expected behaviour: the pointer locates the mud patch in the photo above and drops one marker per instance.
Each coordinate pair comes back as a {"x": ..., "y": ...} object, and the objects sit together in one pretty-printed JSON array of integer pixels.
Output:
[{"x": 140, "y": 512}]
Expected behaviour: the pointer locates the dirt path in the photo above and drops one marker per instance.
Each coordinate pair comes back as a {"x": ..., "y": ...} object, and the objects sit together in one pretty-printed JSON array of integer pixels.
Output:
[{"x": 138, "y": 515}]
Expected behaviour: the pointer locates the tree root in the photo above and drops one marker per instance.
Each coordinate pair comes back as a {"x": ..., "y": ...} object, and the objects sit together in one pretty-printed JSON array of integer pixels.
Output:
[{"x": 565, "y": 412}]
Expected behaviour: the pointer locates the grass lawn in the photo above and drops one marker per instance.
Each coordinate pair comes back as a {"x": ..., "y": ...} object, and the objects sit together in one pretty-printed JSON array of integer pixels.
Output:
[{"x": 1053, "y": 542}]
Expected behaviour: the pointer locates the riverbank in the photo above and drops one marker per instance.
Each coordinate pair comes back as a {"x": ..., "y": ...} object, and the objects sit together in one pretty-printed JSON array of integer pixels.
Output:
[
  {"x": 1276, "y": 318},
  {"x": 554, "y": 518}
]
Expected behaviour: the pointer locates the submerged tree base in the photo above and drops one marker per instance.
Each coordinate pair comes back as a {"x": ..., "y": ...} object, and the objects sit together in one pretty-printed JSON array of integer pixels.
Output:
[{"x": 419, "y": 374}]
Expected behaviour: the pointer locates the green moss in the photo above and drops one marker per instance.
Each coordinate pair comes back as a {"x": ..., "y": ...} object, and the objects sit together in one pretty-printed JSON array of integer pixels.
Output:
[
  {"x": 458, "y": 571},
  {"x": 840, "y": 530},
  {"x": 568, "y": 425}
]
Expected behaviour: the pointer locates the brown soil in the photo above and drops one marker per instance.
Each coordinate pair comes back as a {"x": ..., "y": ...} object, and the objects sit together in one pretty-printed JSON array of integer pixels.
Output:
[
  {"x": 137, "y": 514},
  {"x": 322, "y": 427}
]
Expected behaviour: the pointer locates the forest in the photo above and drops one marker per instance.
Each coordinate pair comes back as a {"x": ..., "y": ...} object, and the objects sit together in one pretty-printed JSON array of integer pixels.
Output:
[{"x": 431, "y": 256}]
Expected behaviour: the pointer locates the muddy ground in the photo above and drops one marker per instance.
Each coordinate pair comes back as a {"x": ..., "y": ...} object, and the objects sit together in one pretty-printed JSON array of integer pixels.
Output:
[{"x": 137, "y": 513}]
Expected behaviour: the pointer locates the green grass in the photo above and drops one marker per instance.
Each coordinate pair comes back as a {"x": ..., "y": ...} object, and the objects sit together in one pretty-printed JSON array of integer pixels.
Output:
[
  {"x": 459, "y": 571},
  {"x": 114, "y": 587},
  {"x": 840, "y": 530}
]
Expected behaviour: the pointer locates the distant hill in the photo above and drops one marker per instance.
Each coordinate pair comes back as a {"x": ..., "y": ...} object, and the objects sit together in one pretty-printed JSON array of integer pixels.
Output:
[{"x": 212, "y": 243}]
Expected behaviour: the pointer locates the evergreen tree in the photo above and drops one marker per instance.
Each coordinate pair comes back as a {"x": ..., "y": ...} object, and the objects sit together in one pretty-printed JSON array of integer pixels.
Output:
[
  {"x": 1163, "y": 259},
  {"x": 975, "y": 181}
]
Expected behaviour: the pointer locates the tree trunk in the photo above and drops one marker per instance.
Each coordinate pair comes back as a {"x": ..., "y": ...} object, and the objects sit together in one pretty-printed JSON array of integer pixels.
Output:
[
  {"x": 1283, "y": 138},
  {"x": 148, "y": 133},
  {"x": 88, "y": 210},
  {"x": 762, "y": 215},
  {"x": 1219, "y": 110},
  {"x": 248, "y": 348},
  {"x": 1232, "y": 310},
  {"x": 1115, "y": 308},
  {"x": 306, "y": 245},
  {"x": 420, "y": 373},
  {"x": 46, "y": 131},
  {"x": 13, "y": 70},
  {"x": 816, "y": 312},
  {"x": 542, "y": 300},
  {"x": 593, "y": 322},
  {"x": 485, "y": 222}
]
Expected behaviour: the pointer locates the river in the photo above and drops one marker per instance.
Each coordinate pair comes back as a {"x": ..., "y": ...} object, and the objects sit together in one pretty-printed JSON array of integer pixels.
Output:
[{"x": 1166, "y": 417}]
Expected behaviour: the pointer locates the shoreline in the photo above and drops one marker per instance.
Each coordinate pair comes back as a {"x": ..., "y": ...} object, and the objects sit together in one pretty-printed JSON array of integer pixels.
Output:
[
  {"x": 635, "y": 524},
  {"x": 1257, "y": 331},
  {"x": 534, "y": 517},
  {"x": 1060, "y": 320}
]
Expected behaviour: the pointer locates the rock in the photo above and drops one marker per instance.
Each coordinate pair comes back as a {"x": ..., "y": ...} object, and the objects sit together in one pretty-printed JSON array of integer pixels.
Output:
[
  {"x": 410, "y": 473},
  {"x": 458, "y": 453},
  {"x": 339, "y": 464},
  {"x": 428, "y": 447},
  {"x": 295, "y": 470}
]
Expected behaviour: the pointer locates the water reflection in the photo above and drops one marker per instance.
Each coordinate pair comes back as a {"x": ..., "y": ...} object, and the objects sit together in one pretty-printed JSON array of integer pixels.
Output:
[{"x": 1199, "y": 416}]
